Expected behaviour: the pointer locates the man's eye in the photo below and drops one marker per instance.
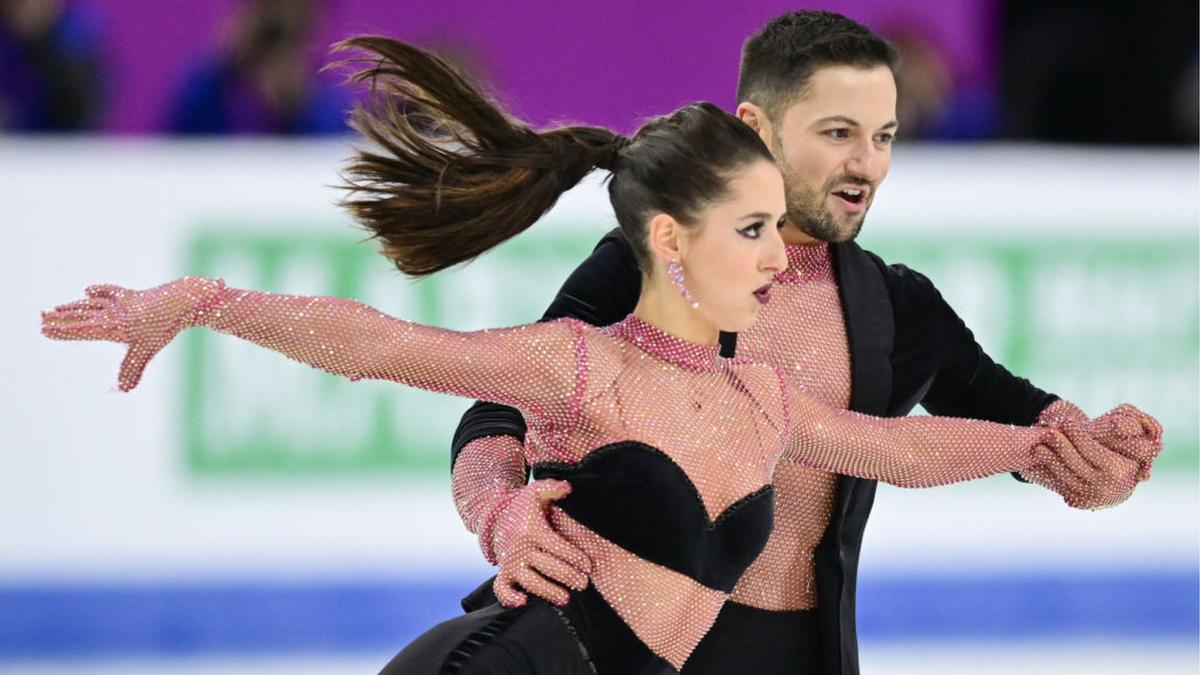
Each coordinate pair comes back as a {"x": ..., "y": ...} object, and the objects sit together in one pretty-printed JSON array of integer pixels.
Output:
[
  {"x": 751, "y": 231},
  {"x": 781, "y": 223}
]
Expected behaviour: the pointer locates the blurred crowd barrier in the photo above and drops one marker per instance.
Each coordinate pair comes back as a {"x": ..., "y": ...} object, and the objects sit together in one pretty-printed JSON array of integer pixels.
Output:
[{"x": 238, "y": 505}]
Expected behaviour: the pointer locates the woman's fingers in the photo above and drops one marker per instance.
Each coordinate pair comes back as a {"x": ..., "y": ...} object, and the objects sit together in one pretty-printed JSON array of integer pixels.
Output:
[
  {"x": 1129, "y": 426},
  {"x": 1052, "y": 468},
  {"x": 103, "y": 290},
  {"x": 1105, "y": 429},
  {"x": 506, "y": 592},
  {"x": 533, "y": 582},
  {"x": 102, "y": 316},
  {"x": 61, "y": 332},
  {"x": 1140, "y": 448},
  {"x": 1137, "y": 423},
  {"x": 1064, "y": 446},
  {"x": 82, "y": 324},
  {"x": 557, "y": 571},
  {"x": 82, "y": 304},
  {"x": 1124, "y": 421},
  {"x": 1110, "y": 464},
  {"x": 134, "y": 364},
  {"x": 552, "y": 542},
  {"x": 1144, "y": 450},
  {"x": 549, "y": 490},
  {"x": 68, "y": 319},
  {"x": 69, "y": 315},
  {"x": 1128, "y": 431},
  {"x": 546, "y": 537},
  {"x": 1154, "y": 427},
  {"x": 85, "y": 329}
]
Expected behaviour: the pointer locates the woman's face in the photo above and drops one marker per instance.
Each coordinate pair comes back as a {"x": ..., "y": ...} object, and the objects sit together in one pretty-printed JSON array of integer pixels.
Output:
[{"x": 731, "y": 256}]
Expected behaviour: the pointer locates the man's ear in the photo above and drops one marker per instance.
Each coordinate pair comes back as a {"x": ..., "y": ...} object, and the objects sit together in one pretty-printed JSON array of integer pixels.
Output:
[{"x": 756, "y": 118}]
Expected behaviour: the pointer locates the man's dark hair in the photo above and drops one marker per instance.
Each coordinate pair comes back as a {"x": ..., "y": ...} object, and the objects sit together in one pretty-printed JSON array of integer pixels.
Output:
[{"x": 779, "y": 60}]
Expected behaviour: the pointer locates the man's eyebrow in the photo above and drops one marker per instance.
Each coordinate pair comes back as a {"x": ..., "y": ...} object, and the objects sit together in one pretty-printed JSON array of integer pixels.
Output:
[{"x": 842, "y": 119}]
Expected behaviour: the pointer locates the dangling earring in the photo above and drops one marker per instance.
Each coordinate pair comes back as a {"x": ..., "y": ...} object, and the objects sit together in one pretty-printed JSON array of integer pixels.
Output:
[{"x": 675, "y": 274}]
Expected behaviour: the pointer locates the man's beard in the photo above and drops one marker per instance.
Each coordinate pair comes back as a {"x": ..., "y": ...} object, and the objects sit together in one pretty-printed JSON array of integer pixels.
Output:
[{"x": 806, "y": 210}]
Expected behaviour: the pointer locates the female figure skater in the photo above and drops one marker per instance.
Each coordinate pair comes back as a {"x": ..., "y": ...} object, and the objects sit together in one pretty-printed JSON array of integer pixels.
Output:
[{"x": 666, "y": 449}]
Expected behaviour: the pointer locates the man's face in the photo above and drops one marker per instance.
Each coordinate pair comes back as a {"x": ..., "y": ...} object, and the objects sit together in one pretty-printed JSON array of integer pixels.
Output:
[{"x": 834, "y": 147}]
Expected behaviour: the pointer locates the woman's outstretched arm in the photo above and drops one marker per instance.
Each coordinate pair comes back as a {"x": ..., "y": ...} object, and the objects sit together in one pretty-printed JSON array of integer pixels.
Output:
[
  {"x": 536, "y": 368},
  {"x": 906, "y": 451},
  {"x": 931, "y": 451}
]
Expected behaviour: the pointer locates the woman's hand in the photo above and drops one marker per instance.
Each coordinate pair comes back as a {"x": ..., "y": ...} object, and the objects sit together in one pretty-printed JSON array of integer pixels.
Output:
[
  {"x": 146, "y": 320},
  {"x": 532, "y": 556},
  {"x": 1096, "y": 463},
  {"x": 1129, "y": 431}
]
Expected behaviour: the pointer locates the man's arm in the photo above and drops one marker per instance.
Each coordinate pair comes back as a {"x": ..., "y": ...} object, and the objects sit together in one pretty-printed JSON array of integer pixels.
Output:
[{"x": 938, "y": 363}]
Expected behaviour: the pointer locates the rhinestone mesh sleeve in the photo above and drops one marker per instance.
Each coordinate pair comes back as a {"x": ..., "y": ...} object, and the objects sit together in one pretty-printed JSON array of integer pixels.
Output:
[
  {"x": 904, "y": 451},
  {"x": 488, "y": 471},
  {"x": 723, "y": 423}
]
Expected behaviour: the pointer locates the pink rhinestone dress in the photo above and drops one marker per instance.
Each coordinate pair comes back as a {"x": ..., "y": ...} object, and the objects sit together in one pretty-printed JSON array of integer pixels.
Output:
[
  {"x": 724, "y": 423},
  {"x": 802, "y": 331}
]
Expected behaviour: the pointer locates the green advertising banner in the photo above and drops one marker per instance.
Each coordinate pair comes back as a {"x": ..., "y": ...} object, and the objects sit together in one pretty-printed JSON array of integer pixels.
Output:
[{"x": 1098, "y": 321}]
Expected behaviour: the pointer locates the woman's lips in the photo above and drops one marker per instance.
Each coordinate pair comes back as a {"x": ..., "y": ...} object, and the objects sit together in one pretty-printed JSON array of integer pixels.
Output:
[{"x": 763, "y": 294}]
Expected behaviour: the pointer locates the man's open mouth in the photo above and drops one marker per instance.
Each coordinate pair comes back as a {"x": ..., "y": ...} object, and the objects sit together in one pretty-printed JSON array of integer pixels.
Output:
[{"x": 854, "y": 196}]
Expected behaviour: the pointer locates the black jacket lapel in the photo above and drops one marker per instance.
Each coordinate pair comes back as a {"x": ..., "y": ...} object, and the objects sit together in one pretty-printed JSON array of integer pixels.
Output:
[{"x": 867, "y": 309}]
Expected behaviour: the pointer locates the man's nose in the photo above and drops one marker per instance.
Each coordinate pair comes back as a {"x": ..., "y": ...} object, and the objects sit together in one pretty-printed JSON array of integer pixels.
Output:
[{"x": 868, "y": 162}]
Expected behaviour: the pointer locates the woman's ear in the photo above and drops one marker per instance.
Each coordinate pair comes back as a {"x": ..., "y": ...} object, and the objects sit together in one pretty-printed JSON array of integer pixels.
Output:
[{"x": 664, "y": 238}]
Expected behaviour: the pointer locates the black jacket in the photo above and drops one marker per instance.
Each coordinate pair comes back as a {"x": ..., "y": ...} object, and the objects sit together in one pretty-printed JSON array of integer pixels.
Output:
[{"x": 907, "y": 346}]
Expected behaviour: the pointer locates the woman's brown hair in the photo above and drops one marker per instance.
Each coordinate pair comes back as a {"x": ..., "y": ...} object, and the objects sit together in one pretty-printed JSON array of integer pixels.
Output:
[{"x": 452, "y": 176}]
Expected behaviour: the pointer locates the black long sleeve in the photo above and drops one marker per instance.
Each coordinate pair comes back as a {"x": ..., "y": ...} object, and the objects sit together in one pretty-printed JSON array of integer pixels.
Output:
[
  {"x": 937, "y": 362},
  {"x": 603, "y": 290}
]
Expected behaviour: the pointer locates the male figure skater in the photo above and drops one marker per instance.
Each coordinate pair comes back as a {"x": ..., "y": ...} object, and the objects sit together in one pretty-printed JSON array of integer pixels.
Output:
[{"x": 860, "y": 334}]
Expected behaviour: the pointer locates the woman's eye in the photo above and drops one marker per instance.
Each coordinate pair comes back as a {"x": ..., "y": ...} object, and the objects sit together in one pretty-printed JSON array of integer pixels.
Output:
[
  {"x": 838, "y": 133},
  {"x": 751, "y": 231},
  {"x": 886, "y": 139}
]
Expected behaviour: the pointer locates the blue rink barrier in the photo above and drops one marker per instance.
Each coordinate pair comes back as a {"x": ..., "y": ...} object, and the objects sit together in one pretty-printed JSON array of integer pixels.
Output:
[{"x": 197, "y": 618}]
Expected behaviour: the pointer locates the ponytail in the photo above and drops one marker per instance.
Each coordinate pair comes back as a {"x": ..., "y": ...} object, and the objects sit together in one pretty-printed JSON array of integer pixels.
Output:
[{"x": 452, "y": 175}]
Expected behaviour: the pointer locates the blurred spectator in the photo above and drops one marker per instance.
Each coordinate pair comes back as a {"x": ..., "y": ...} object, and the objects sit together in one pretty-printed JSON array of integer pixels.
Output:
[
  {"x": 262, "y": 80},
  {"x": 1083, "y": 71},
  {"x": 931, "y": 104},
  {"x": 50, "y": 67}
]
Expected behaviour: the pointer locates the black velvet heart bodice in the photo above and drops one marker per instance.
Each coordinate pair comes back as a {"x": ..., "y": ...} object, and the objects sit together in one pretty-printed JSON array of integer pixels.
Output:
[{"x": 637, "y": 497}]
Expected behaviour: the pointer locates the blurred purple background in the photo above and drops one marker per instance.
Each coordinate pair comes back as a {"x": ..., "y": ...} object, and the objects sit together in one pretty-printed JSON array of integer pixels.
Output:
[
  {"x": 608, "y": 63},
  {"x": 1041, "y": 70}
]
